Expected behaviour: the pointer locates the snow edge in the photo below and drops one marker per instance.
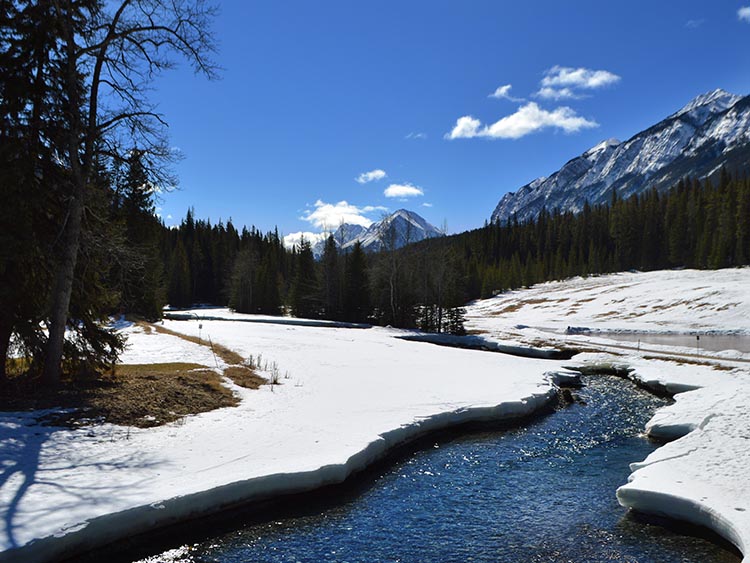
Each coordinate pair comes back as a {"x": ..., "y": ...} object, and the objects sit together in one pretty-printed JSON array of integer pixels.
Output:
[
  {"x": 107, "y": 529},
  {"x": 680, "y": 508}
]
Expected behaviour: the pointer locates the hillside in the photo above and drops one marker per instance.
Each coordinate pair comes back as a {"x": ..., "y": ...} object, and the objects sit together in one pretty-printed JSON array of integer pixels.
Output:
[{"x": 711, "y": 131}]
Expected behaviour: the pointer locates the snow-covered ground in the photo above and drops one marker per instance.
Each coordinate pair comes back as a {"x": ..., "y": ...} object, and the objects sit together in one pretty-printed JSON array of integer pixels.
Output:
[
  {"x": 668, "y": 302},
  {"x": 349, "y": 395},
  {"x": 663, "y": 301},
  {"x": 702, "y": 476}
]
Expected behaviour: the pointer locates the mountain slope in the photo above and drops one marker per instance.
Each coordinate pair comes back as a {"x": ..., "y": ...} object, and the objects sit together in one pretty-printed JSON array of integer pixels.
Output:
[
  {"x": 711, "y": 131},
  {"x": 398, "y": 229}
]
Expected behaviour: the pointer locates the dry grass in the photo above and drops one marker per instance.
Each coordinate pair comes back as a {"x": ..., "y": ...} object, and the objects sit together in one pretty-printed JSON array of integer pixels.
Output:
[
  {"x": 513, "y": 307},
  {"x": 237, "y": 370},
  {"x": 245, "y": 377},
  {"x": 229, "y": 356},
  {"x": 132, "y": 395},
  {"x": 686, "y": 361},
  {"x": 141, "y": 395}
]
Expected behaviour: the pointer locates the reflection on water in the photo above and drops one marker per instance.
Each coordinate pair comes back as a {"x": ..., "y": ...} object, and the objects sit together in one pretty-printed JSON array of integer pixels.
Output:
[{"x": 541, "y": 493}]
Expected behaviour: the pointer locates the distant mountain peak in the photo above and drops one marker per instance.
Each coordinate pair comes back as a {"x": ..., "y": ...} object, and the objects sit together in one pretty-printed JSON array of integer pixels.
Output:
[
  {"x": 715, "y": 101},
  {"x": 596, "y": 150},
  {"x": 710, "y": 131},
  {"x": 399, "y": 228}
]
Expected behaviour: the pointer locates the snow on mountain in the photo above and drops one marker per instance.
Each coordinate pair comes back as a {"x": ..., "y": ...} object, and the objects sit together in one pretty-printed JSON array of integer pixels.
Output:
[
  {"x": 711, "y": 131},
  {"x": 400, "y": 228}
]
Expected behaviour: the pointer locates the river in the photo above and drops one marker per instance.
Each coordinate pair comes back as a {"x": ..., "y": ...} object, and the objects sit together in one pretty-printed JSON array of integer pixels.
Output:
[{"x": 539, "y": 493}]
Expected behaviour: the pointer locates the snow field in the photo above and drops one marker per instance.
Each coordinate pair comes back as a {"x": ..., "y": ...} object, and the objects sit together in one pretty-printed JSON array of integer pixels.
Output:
[
  {"x": 682, "y": 301},
  {"x": 351, "y": 396},
  {"x": 702, "y": 475}
]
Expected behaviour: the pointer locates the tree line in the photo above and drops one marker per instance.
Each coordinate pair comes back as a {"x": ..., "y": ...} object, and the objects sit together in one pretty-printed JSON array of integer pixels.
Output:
[
  {"x": 73, "y": 118},
  {"x": 697, "y": 224},
  {"x": 83, "y": 154},
  {"x": 253, "y": 272}
]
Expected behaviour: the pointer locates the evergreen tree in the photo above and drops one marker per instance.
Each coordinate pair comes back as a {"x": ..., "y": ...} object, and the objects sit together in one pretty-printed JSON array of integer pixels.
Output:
[
  {"x": 305, "y": 290},
  {"x": 331, "y": 281},
  {"x": 357, "y": 291}
]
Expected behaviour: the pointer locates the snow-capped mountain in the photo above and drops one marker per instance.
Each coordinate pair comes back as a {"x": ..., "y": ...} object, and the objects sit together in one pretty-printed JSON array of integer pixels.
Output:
[
  {"x": 711, "y": 131},
  {"x": 400, "y": 228}
]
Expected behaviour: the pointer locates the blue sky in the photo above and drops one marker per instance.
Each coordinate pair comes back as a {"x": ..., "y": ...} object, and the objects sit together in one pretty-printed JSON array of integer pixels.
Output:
[{"x": 315, "y": 94}]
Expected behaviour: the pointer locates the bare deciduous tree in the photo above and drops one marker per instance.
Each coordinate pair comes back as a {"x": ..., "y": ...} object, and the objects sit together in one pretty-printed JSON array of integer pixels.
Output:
[{"x": 110, "y": 54}]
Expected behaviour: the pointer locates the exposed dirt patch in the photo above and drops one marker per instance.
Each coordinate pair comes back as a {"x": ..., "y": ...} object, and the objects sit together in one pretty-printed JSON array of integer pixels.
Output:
[
  {"x": 513, "y": 307},
  {"x": 141, "y": 395},
  {"x": 245, "y": 377},
  {"x": 132, "y": 395}
]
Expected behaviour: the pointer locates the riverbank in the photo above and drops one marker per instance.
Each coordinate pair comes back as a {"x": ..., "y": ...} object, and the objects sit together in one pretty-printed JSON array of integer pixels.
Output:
[
  {"x": 700, "y": 475},
  {"x": 346, "y": 398},
  {"x": 541, "y": 491}
]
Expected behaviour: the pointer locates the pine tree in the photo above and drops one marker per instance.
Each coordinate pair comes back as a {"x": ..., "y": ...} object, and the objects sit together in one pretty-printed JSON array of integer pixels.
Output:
[
  {"x": 331, "y": 281},
  {"x": 304, "y": 290},
  {"x": 179, "y": 291},
  {"x": 357, "y": 287}
]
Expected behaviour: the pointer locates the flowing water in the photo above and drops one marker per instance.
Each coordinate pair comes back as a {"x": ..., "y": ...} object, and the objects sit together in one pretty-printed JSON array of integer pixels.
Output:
[{"x": 541, "y": 493}]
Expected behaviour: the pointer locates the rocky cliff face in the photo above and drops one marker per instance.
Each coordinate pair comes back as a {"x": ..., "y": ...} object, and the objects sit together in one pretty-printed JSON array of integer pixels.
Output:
[{"x": 711, "y": 131}]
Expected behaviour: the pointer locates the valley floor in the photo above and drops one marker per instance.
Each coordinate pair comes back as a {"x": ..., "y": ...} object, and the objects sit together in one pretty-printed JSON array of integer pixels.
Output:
[{"x": 346, "y": 396}]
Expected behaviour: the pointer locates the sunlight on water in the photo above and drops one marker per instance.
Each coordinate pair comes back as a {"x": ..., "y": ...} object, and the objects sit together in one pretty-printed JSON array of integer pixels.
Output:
[{"x": 540, "y": 493}]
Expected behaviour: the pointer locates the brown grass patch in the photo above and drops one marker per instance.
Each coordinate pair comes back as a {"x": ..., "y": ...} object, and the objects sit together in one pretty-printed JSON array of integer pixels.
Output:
[
  {"x": 605, "y": 315},
  {"x": 519, "y": 305},
  {"x": 142, "y": 395},
  {"x": 245, "y": 377},
  {"x": 133, "y": 395},
  {"x": 229, "y": 356},
  {"x": 685, "y": 361},
  {"x": 476, "y": 332},
  {"x": 237, "y": 371}
]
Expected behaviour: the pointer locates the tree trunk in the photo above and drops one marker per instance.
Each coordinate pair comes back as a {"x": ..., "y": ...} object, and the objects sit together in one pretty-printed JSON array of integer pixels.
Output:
[
  {"x": 62, "y": 291},
  {"x": 6, "y": 328},
  {"x": 71, "y": 235}
]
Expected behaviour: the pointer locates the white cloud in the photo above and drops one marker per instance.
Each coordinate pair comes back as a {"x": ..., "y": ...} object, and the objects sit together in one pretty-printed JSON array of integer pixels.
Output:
[
  {"x": 503, "y": 93},
  {"x": 694, "y": 24},
  {"x": 371, "y": 176},
  {"x": 330, "y": 215},
  {"x": 294, "y": 239},
  {"x": 426, "y": 204},
  {"x": 466, "y": 128},
  {"x": 583, "y": 78},
  {"x": 402, "y": 190},
  {"x": 744, "y": 13},
  {"x": 416, "y": 135},
  {"x": 550, "y": 93},
  {"x": 527, "y": 119}
]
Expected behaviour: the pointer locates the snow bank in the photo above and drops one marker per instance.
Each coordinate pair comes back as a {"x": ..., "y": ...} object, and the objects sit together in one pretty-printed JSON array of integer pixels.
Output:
[
  {"x": 702, "y": 475},
  {"x": 677, "y": 301},
  {"x": 346, "y": 398}
]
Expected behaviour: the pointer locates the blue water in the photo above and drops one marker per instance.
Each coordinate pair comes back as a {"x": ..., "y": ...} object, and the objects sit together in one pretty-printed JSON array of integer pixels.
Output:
[{"x": 541, "y": 493}]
